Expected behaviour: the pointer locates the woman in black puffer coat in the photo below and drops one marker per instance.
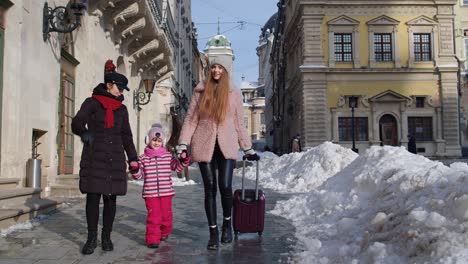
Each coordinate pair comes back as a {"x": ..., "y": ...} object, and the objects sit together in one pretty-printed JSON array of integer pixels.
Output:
[{"x": 102, "y": 123}]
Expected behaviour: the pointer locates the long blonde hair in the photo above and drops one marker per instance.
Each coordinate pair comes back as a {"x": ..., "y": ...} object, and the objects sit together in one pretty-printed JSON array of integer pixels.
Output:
[{"x": 215, "y": 99}]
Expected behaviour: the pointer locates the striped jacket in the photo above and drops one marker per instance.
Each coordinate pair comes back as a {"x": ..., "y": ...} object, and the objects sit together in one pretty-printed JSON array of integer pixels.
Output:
[{"x": 156, "y": 172}]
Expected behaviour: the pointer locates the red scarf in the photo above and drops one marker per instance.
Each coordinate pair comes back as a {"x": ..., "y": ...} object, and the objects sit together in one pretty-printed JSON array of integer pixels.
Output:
[{"x": 110, "y": 105}]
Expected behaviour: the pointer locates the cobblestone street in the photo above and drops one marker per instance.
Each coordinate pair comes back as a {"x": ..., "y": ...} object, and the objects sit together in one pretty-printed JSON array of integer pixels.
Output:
[{"x": 58, "y": 238}]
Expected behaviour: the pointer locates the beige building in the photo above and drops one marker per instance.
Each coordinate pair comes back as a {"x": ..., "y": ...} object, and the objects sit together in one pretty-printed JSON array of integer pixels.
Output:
[
  {"x": 254, "y": 109},
  {"x": 45, "y": 77},
  {"x": 367, "y": 73}
]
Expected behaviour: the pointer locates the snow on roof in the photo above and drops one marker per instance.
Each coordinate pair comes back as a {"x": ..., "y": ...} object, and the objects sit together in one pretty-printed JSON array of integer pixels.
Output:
[{"x": 249, "y": 85}]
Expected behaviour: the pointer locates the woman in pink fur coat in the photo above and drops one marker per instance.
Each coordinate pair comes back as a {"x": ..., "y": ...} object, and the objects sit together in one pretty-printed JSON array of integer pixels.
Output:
[{"x": 214, "y": 128}]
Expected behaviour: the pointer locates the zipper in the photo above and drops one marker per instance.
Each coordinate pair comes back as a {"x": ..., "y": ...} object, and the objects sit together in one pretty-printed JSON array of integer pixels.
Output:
[{"x": 157, "y": 176}]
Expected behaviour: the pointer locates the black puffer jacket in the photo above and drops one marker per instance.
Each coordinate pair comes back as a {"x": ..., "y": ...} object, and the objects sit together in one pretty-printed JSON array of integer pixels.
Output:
[{"x": 103, "y": 165}]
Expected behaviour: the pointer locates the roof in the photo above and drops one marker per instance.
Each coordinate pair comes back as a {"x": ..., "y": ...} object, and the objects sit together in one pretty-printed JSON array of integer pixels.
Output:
[
  {"x": 270, "y": 24},
  {"x": 248, "y": 85},
  {"x": 218, "y": 41}
]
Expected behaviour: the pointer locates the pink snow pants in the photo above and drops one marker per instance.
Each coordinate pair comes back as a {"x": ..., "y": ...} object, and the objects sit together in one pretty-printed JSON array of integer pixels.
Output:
[{"x": 159, "y": 219}]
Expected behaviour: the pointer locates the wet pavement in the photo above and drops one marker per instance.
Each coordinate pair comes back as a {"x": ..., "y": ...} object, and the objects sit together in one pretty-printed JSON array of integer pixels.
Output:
[{"x": 58, "y": 237}]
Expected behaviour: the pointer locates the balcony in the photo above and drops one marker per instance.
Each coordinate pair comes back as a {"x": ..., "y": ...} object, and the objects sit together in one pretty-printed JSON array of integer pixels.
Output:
[{"x": 169, "y": 25}]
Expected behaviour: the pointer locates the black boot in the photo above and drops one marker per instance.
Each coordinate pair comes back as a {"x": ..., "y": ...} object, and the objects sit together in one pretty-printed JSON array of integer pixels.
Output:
[
  {"x": 106, "y": 241},
  {"x": 226, "y": 233},
  {"x": 90, "y": 244},
  {"x": 213, "y": 243}
]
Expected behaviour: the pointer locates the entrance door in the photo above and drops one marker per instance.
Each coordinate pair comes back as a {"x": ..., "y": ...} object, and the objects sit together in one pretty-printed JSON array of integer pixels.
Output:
[
  {"x": 67, "y": 106},
  {"x": 388, "y": 130}
]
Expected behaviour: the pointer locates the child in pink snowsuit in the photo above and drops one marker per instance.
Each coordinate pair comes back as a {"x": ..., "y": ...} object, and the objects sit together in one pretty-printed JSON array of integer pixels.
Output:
[{"x": 155, "y": 167}]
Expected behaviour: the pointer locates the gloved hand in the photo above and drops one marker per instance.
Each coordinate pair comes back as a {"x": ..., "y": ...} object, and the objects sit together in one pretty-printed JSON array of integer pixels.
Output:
[
  {"x": 184, "y": 158},
  {"x": 133, "y": 167},
  {"x": 87, "y": 137},
  {"x": 251, "y": 155},
  {"x": 182, "y": 147}
]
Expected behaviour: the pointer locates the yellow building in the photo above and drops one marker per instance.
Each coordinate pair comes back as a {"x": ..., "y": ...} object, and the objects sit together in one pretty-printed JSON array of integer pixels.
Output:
[
  {"x": 395, "y": 60},
  {"x": 254, "y": 110}
]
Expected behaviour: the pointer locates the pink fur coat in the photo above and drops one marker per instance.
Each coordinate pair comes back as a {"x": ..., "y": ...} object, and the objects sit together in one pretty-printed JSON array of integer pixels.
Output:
[{"x": 201, "y": 134}]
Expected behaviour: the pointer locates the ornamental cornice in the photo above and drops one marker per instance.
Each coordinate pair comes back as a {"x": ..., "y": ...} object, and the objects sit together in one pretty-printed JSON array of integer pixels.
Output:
[{"x": 130, "y": 11}]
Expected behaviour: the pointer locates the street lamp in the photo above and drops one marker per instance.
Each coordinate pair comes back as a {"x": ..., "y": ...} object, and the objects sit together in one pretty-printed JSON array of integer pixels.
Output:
[
  {"x": 352, "y": 100},
  {"x": 141, "y": 98},
  {"x": 59, "y": 19}
]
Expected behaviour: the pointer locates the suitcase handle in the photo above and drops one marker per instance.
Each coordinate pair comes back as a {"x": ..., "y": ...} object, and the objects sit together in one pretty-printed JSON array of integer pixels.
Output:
[{"x": 256, "y": 179}]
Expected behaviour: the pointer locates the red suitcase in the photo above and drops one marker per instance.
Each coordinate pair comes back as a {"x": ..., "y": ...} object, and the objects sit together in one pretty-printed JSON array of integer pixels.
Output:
[{"x": 249, "y": 208}]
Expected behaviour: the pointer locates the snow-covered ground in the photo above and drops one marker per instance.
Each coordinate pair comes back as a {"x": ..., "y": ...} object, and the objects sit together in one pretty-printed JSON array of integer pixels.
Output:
[{"x": 384, "y": 206}]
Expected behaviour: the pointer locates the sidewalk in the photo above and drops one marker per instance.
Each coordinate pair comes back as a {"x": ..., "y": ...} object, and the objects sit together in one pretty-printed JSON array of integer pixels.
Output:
[{"x": 59, "y": 237}]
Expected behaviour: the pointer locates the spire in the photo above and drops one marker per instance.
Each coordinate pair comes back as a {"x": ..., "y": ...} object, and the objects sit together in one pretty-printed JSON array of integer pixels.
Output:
[{"x": 218, "y": 27}]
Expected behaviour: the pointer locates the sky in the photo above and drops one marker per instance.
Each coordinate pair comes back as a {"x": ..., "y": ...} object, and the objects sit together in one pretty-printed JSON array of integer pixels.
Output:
[{"x": 243, "y": 41}]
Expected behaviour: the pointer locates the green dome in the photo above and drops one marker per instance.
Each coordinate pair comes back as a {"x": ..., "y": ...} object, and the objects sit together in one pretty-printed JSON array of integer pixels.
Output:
[{"x": 218, "y": 41}]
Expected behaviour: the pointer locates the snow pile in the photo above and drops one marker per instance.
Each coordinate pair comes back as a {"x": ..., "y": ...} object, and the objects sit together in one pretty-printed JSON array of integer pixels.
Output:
[
  {"x": 303, "y": 171},
  {"x": 387, "y": 206}
]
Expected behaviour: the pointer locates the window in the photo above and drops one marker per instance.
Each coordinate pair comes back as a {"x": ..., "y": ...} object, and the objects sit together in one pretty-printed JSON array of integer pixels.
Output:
[
  {"x": 422, "y": 47},
  {"x": 420, "y": 102},
  {"x": 383, "y": 46},
  {"x": 262, "y": 118},
  {"x": 345, "y": 128},
  {"x": 343, "y": 47},
  {"x": 246, "y": 122},
  {"x": 420, "y": 127},
  {"x": 464, "y": 2}
]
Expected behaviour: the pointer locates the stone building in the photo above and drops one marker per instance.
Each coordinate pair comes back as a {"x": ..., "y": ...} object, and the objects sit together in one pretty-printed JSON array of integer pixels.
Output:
[
  {"x": 265, "y": 44},
  {"x": 388, "y": 67},
  {"x": 254, "y": 109},
  {"x": 44, "y": 78}
]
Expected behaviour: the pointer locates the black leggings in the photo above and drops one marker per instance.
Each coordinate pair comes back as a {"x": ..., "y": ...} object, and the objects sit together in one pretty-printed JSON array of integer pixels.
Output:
[
  {"x": 225, "y": 169},
  {"x": 92, "y": 211}
]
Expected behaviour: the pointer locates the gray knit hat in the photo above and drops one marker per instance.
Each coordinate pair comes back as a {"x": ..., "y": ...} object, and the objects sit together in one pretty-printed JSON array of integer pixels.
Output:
[{"x": 223, "y": 60}]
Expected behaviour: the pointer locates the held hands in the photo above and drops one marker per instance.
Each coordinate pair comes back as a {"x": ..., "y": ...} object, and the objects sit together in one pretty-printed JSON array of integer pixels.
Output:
[
  {"x": 180, "y": 149},
  {"x": 133, "y": 167},
  {"x": 251, "y": 155},
  {"x": 184, "y": 158},
  {"x": 87, "y": 137}
]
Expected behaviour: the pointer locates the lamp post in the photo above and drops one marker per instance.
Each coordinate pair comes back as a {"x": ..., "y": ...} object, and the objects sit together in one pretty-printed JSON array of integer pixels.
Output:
[
  {"x": 353, "y": 104},
  {"x": 143, "y": 98},
  {"x": 60, "y": 19}
]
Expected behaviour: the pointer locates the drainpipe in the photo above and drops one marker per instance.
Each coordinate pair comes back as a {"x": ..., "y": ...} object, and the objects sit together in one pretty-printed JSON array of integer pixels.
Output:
[{"x": 459, "y": 87}]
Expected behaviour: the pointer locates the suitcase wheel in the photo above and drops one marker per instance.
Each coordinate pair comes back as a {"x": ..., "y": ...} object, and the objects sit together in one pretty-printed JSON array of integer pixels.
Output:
[{"x": 260, "y": 233}]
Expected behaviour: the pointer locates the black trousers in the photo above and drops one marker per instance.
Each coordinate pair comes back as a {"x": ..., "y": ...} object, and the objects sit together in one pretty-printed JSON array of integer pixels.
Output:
[
  {"x": 92, "y": 211},
  {"x": 225, "y": 168}
]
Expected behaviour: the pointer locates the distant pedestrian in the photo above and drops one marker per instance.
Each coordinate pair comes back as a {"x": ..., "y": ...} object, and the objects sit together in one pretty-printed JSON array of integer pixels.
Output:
[
  {"x": 173, "y": 141},
  {"x": 102, "y": 123},
  {"x": 412, "y": 144},
  {"x": 214, "y": 128},
  {"x": 296, "y": 143},
  {"x": 155, "y": 166}
]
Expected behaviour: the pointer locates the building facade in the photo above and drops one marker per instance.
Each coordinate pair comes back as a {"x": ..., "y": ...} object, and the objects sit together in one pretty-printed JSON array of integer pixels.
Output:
[
  {"x": 387, "y": 69},
  {"x": 46, "y": 77},
  {"x": 264, "y": 49},
  {"x": 254, "y": 109}
]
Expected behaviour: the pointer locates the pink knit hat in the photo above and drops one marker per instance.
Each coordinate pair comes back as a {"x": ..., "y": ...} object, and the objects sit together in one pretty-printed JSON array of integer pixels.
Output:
[{"x": 156, "y": 130}]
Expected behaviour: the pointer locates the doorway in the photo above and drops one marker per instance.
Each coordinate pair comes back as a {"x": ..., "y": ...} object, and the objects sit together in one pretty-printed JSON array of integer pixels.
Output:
[{"x": 388, "y": 130}]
